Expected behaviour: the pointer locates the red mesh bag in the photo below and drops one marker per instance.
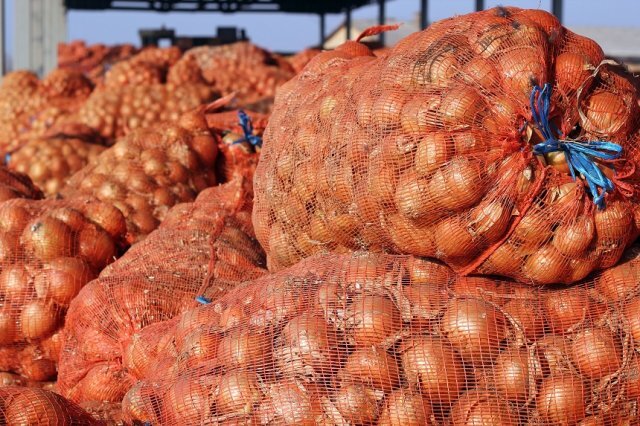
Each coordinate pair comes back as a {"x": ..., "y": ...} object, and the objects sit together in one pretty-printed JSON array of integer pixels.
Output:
[
  {"x": 241, "y": 68},
  {"x": 202, "y": 249},
  {"x": 150, "y": 170},
  {"x": 49, "y": 251},
  {"x": 393, "y": 340},
  {"x": 459, "y": 144},
  {"x": 302, "y": 58},
  {"x": 17, "y": 185},
  {"x": 93, "y": 59},
  {"x": 50, "y": 160},
  {"x": 150, "y": 66},
  {"x": 26, "y": 406}
]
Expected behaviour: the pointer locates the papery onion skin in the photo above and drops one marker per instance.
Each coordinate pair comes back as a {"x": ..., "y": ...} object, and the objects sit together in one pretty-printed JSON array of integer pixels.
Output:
[
  {"x": 375, "y": 318},
  {"x": 405, "y": 408},
  {"x": 562, "y": 399},
  {"x": 481, "y": 408},
  {"x": 357, "y": 403},
  {"x": 596, "y": 352},
  {"x": 372, "y": 366}
]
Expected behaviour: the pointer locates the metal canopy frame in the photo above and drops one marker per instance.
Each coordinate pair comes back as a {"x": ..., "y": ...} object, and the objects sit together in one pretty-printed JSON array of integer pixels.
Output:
[{"x": 224, "y": 6}]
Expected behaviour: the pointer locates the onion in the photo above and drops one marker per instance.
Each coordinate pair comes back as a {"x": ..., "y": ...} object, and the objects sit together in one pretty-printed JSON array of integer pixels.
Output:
[
  {"x": 49, "y": 238},
  {"x": 504, "y": 260},
  {"x": 566, "y": 308},
  {"x": 15, "y": 283},
  {"x": 631, "y": 379},
  {"x": 479, "y": 288},
  {"x": 420, "y": 114},
  {"x": 478, "y": 407},
  {"x": 206, "y": 147},
  {"x": 8, "y": 326},
  {"x": 463, "y": 184},
  {"x": 512, "y": 374},
  {"x": 571, "y": 71},
  {"x": 409, "y": 236},
  {"x": 141, "y": 403},
  {"x": 529, "y": 315},
  {"x": 36, "y": 407},
  {"x": 357, "y": 404},
  {"x": 533, "y": 230},
  {"x": 479, "y": 71},
  {"x": 453, "y": 239},
  {"x": 613, "y": 223},
  {"x": 105, "y": 382},
  {"x": 145, "y": 221},
  {"x": 237, "y": 392},
  {"x": 433, "y": 366},
  {"x": 632, "y": 314},
  {"x": 374, "y": 319},
  {"x": 413, "y": 198},
  {"x": 107, "y": 217},
  {"x": 520, "y": 67},
  {"x": 13, "y": 217},
  {"x": 10, "y": 379},
  {"x": 553, "y": 350},
  {"x": 405, "y": 408},
  {"x": 373, "y": 367},
  {"x": 475, "y": 329},
  {"x": 63, "y": 279},
  {"x": 39, "y": 319},
  {"x": 10, "y": 248},
  {"x": 188, "y": 400},
  {"x": 562, "y": 399},
  {"x": 71, "y": 217},
  {"x": 490, "y": 220},
  {"x": 293, "y": 404},
  {"x": 433, "y": 151},
  {"x": 312, "y": 338},
  {"x": 573, "y": 238},
  {"x": 596, "y": 352},
  {"x": 39, "y": 370},
  {"x": 546, "y": 266},
  {"x": 96, "y": 246},
  {"x": 245, "y": 348},
  {"x": 605, "y": 113},
  {"x": 387, "y": 110},
  {"x": 461, "y": 105}
]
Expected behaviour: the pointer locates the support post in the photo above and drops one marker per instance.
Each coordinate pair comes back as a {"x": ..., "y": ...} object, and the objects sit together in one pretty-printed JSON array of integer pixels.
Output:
[
  {"x": 348, "y": 24},
  {"x": 479, "y": 5},
  {"x": 322, "y": 30},
  {"x": 382, "y": 18},
  {"x": 424, "y": 14},
  {"x": 556, "y": 9},
  {"x": 3, "y": 67}
]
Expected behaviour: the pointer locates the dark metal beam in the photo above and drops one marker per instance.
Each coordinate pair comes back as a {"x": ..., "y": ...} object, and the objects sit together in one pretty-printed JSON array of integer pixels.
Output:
[
  {"x": 348, "y": 22},
  {"x": 322, "y": 31},
  {"x": 382, "y": 18},
  {"x": 424, "y": 14},
  {"x": 556, "y": 9},
  {"x": 479, "y": 5}
]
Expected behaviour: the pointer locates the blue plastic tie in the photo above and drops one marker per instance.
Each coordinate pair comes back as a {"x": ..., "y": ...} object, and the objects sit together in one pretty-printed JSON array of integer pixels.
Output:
[
  {"x": 7, "y": 158},
  {"x": 247, "y": 129},
  {"x": 203, "y": 300},
  {"x": 580, "y": 156}
]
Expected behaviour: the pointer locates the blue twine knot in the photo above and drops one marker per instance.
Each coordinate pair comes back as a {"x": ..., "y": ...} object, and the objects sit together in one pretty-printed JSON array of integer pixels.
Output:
[
  {"x": 247, "y": 129},
  {"x": 203, "y": 300},
  {"x": 580, "y": 156}
]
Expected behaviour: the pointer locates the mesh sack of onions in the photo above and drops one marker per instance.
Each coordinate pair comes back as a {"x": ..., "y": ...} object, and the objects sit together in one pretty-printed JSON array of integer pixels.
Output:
[
  {"x": 117, "y": 111},
  {"x": 498, "y": 142},
  {"x": 150, "y": 170},
  {"x": 50, "y": 161},
  {"x": 378, "y": 339},
  {"x": 48, "y": 251},
  {"x": 17, "y": 185},
  {"x": 242, "y": 68},
  {"x": 150, "y": 66},
  {"x": 201, "y": 250},
  {"x": 93, "y": 59},
  {"x": 27, "y": 406}
]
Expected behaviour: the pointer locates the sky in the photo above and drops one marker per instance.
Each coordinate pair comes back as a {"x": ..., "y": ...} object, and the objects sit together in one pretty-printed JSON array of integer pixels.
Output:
[{"x": 291, "y": 32}]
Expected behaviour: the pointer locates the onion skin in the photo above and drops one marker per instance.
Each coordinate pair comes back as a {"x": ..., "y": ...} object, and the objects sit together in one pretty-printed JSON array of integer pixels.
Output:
[
  {"x": 49, "y": 238},
  {"x": 433, "y": 366},
  {"x": 573, "y": 238},
  {"x": 606, "y": 114},
  {"x": 619, "y": 283},
  {"x": 373, "y": 367},
  {"x": 529, "y": 315},
  {"x": 139, "y": 402},
  {"x": 475, "y": 329},
  {"x": 631, "y": 312},
  {"x": 511, "y": 374},
  {"x": 565, "y": 309},
  {"x": 545, "y": 266},
  {"x": 596, "y": 352},
  {"x": 357, "y": 404},
  {"x": 245, "y": 348},
  {"x": 562, "y": 399},
  {"x": 237, "y": 392},
  {"x": 8, "y": 327},
  {"x": 38, "y": 319},
  {"x": 187, "y": 400},
  {"x": 293, "y": 404},
  {"x": 404, "y": 408}
]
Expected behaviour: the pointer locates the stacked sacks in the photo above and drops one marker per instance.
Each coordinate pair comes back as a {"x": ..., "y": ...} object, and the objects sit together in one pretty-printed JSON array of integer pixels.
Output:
[
  {"x": 49, "y": 251},
  {"x": 150, "y": 66},
  {"x": 393, "y": 340},
  {"x": 150, "y": 170},
  {"x": 25, "y": 406},
  {"x": 498, "y": 142},
  {"x": 17, "y": 185},
  {"x": 202, "y": 249}
]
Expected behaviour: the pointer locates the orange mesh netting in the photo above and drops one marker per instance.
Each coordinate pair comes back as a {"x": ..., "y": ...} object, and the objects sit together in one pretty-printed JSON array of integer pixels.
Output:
[
  {"x": 150, "y": 170},
  {"x": 48, "y": 251},
  {"x": 201, "y": 249},
  {"x": 302, "y": 58},
  {"x": 394, "y": 340},
  {"x": 459, "y": 144},
  {"x": 26, "y": 406},
  {"x": 17, "y": 185}
]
